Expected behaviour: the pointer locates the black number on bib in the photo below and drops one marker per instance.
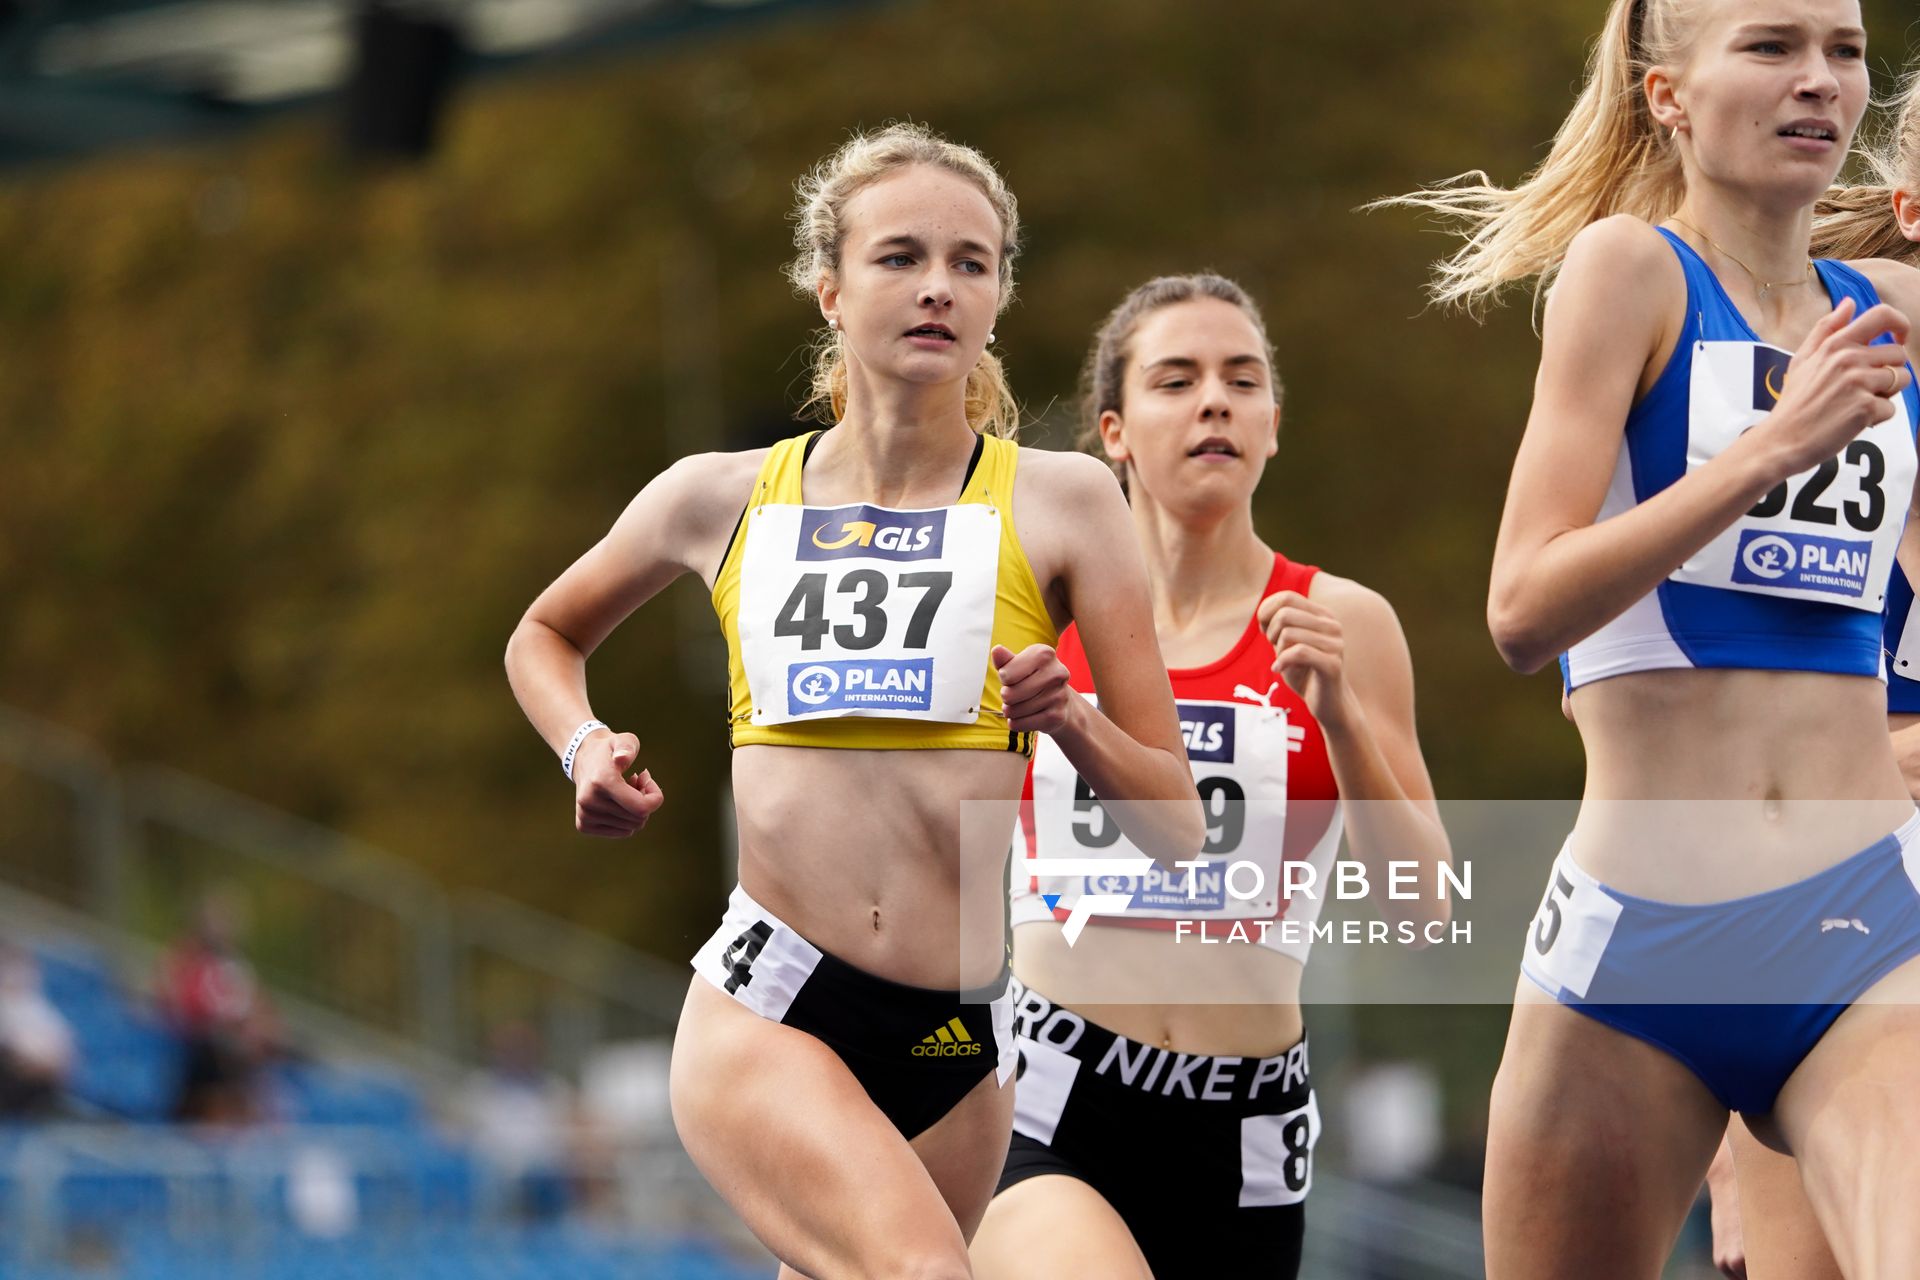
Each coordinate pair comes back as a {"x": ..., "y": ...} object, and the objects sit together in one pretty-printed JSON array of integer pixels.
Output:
[
  {"x": 740, "y": 954},
  {"x": 1099, "y": 829},
  {"x": 1299, "y": 1162},
  {"x": 1867, "y": 454},
  {"x": 1548, "y": 931},
  {"x": 934, "y": 585},
  {"x": 872, "y": 586},
  {"x": 805, "y": 612},
  {"x": 1773, "y": 504},
  {"x": 1226, "y": 806},
  {"x": 1807, "y": 507}
]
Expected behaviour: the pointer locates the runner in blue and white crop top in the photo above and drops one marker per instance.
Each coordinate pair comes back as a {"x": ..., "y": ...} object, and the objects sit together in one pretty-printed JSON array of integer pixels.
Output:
[{"x": 1800, "y": 582}]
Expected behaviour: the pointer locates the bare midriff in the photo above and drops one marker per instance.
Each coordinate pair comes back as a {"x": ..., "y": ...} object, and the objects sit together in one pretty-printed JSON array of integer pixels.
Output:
[
  {"x": 1160, "y": 988},
  {"x": 862, "y": 853},
  {"x": 1708, "y": 785}
]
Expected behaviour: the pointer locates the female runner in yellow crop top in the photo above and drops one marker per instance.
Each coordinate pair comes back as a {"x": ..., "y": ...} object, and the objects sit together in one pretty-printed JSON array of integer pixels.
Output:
[{"x": 839, "y": 1072}]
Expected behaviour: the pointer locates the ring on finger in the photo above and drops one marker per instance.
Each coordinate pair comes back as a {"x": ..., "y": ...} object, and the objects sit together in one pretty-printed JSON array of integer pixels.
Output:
[{"x": 1893, "y": 380}]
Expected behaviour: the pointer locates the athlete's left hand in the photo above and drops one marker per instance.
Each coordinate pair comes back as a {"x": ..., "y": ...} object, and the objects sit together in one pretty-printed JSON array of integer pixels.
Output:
[
  {"x": 1311, "y": 649},
  {"x": 1033, "y": 688}
]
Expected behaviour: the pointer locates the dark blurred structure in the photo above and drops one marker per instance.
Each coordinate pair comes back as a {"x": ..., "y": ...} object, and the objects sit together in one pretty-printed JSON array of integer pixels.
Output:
[
  {"x": 403, "y": 70},
  {"x": 78, "y": 76}
]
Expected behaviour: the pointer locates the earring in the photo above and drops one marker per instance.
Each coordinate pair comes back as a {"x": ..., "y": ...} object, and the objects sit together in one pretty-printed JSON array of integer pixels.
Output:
[
  {"x": 991, "y": 338},
  {"x": 833, "y": 322}
]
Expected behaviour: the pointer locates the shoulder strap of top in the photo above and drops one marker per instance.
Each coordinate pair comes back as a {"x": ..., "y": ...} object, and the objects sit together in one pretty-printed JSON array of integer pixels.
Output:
[
  {"x": 1701, "y": 282},
  {"x": 765, "y": 485},
  {"x": 1703, "y": 292},
  {"x": 780, "y": 478},
  {"x": 806, "y": 452},
  {"x": 1290, "y": 576},
  {"x": 990, "y": 471},
  {"x": 1843, "y": 281}
]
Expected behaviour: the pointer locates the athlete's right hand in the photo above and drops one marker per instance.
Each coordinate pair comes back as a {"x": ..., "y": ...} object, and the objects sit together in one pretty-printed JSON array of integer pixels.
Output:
[
  {"x": 1840, "y": 383},
  {"x": 606, "y": 802}
]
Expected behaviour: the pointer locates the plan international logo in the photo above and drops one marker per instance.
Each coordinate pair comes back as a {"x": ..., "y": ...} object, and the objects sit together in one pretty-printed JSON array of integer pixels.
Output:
[{"x": 894, "y": 684}]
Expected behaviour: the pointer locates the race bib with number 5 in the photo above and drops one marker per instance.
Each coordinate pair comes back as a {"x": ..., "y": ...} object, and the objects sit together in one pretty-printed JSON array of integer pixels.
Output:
[
  {"x": 1570, "y": 931},
  {"x": 868, "y": 611},
  {"x": 1828, "y": 534},
  {"x": 1239, "y": 756}
]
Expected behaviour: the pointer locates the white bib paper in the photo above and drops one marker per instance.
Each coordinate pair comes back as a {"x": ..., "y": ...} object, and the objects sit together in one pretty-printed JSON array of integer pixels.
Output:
[
  {"x": 1239, "y": 755},
  {"x": 1906, "y": 658},
  {"x": 868, "y": 611},
  {"x": 1828, "y": 534},
  {"x": 1571, "y": 930}
]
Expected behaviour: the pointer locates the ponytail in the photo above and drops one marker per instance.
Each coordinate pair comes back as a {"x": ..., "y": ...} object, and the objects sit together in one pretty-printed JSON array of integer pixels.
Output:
[
  {"x": 1858, "y": 221},
  {"x": 1609, "y": 157}
]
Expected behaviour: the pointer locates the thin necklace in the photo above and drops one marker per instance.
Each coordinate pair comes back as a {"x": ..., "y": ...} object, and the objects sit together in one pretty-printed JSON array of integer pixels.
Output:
[{"x": 1765, "y": 285}]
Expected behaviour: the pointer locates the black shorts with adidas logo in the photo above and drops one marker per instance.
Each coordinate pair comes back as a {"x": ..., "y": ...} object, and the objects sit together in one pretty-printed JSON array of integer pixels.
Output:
[{"x": 915, "y": 1050}]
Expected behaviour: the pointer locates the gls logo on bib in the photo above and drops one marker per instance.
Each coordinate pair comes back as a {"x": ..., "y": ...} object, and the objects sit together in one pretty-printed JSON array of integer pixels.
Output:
[
  {"x": 873, "y": 533},
  {"x": 1208, "y": 731},
  {"x": 1769, "y": 376}
]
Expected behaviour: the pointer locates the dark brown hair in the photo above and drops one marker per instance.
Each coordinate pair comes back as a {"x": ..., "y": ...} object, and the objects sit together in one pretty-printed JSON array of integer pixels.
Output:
[{"x": 1103, "y": 378}]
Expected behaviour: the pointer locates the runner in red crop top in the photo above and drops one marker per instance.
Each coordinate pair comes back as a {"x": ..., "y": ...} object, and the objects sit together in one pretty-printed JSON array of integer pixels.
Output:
[{"x": 1164, "y": 1117}]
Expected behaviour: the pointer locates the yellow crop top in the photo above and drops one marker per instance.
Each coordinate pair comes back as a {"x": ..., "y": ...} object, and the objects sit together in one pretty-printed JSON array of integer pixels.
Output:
[{"x": 823, "y": 645}]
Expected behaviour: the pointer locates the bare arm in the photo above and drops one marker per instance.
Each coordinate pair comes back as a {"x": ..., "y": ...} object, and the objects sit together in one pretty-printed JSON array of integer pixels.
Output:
[
  {"x": 1129, "y": 749},
  {"x": 672, "y": 527},
  {"x": 1557, "y": 575},
  {"x": 1342, "y": 649}
]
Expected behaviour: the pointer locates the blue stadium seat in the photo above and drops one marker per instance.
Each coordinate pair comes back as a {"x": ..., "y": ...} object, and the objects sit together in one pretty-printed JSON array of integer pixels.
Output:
[{"x": 420, "y": 1197}]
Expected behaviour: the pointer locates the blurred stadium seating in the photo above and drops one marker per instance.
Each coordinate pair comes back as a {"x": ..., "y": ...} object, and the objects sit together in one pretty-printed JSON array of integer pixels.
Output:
[{"x": 353, "y": 1180}]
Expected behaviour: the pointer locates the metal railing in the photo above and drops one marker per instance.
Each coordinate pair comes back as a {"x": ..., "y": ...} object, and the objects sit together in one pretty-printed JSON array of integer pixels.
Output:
[{"x": 339, "y": 929}]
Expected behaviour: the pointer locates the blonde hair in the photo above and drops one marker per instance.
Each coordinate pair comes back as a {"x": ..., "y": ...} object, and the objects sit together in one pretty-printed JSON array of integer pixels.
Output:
[
  {"x": 1103, "y": 378},
  {"x": 1609, "y": 157},
  {"x": 1858, "y": 221},
  {"x": 820, "y": 231}
]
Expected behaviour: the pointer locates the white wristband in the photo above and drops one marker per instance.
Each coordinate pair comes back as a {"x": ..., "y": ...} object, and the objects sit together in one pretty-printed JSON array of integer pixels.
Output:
[{"x": 573, "y": 748}]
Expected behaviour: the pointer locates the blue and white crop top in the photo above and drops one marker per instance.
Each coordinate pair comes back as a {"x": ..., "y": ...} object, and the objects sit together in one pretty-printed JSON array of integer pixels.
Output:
[
  {"x": 1798, "y": 583},
  {"x": 1903, "y": 646}
]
